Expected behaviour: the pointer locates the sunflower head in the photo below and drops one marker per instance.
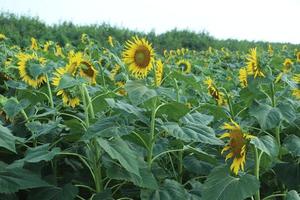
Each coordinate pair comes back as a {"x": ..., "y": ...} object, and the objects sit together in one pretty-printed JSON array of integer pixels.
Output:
[
  {"x": 253, "y": 65},
  {"x": 75, "y": 60},
  {"x": 287, "y": 65},
  {"x": 296, "y": 91},
  {"x": 139, "y": 56},
  {"x": 69, "y": 95},
  {"x": 185, "y": 66},
  {"x": 31, "y": 69},
  {"x": 47, "y": 45},
  {"x": 270, "y": 50},
  {"x": 58, "y": 51},
  {"x": 166, "y": 53},
  {"x": 214, "y": 92},
  {"x": 298, "y": 56},
  {"x": 2, "y": 37},
  {"x": 158, "y": 72},
  {"x": 34, "y": 44},
  {"x": 110, "y": 41},
  {"x": 121, "y": 85},
  {"x": 88, "y": 71},
  {"x": 236, "y": 145},
  {"x": 243, "y": 77}
]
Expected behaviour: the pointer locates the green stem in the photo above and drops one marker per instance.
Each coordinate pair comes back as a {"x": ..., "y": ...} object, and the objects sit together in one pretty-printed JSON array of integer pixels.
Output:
[
  {"x": 89, "y": 102},
  {"x": 274, "y": 195},
  {"x": 152, "y": 133},
  {"x": 180, "y": 166},
  {"x": 49, "y": 92},
  {"x": 85, "y": 107},
  {"x": 273, "y": 95},
  {"x": 97, "y": 167},
  {"x": 102, "y": 76},
  {"x": 256, "y": 170}
]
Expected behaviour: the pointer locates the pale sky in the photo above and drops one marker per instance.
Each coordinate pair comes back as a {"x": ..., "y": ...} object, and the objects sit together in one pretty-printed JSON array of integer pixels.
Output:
[{"x": 267, "y": 20}]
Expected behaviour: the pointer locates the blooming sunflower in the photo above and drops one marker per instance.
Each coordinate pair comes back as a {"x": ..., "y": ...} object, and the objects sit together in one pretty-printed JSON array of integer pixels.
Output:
[
  {"x": 253, "y": 65},
  {"x": 287, "y": 65},
  {"x": 34, "y": 44},
  {"x": 69, "y": 95},
  {"x": 296, "y": 91},
  {"x": 2, "y": 37},
  {"x": 110, "y": 41},
  {"x": 139, "y": 55},
  {"x": 30, "y": 69},
  {"x": 243, "y": 76},
  {"x": 74, "y": 62},
  {"x": 166, "y": 53},
  {"x": 185, "y": 66},
  {"x": 158, "y": 72},
  {"x": 88, "y": 71},
  {"x": 47, "y": 45},
  {"x": 214, "y": 92},
  {"x": 237, "y": 145}
]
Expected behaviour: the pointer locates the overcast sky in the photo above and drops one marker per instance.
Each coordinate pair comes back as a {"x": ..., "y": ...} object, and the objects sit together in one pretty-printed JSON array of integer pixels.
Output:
[{"x": 268, "y": 20}]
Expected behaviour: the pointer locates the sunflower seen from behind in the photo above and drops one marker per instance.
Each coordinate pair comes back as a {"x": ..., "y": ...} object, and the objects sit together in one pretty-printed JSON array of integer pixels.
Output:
[
  {"x": 31, "y": 69},
  {"x": 237, "y": 145},
  {"x": 139, "y": 56}
]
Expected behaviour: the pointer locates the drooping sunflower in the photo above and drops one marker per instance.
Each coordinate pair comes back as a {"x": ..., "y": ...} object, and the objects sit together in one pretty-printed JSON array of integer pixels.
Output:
[
  {"x": 110, "y": 41},
  {"x": 69, "y": 96},
  {"x": 88, "y": 71},
  {"x": 114, "y": 72},
  {"x": 34, "y": 44},
  {"x": 121, "y": 85},
  {"x": 270, "y": 50},
  {"x": 139, "y": 56},
  {"x": 214, "y": 92},
  {"x": 287, "y": 65},
  {"x": 47, "y": 45},
  {"x": 159, "y": 72},
  {"x": 58, "y": 51},
  {"x": 298, "y": 56},
  {"x": 243, "y": 77},
  {"x": 253, "y": 65},
  {"x": 30, "y": 69},
  {"x": 296, "y": 91},
  {"x": 185, "y": 66},
  {"x": 237, "y": 145}
]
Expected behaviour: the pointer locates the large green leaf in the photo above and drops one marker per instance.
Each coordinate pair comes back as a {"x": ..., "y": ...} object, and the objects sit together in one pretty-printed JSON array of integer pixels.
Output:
[
  {"x": 289, "y": 174},
  {"x": 170, "y": 190},
  {"x": 12, "y": 107},
  {"x": 7, "y": 140},
  {"x": 292, "y": 195},
  {"x": 197, "y": 118},
  {"x": 220, "y": 185},
  {"x": 267, "y": 116},
  {"x": 67, "y": 192},
  {"x": 292, "y": 143},
  {"x": 14, "y": 179},
  {"x": 138, "y": 92},
  {"x": 287, "y": 111},
  {"x": 118, "y": 149},
  {"x": 173, "y": 110},
  {"x": 192, "y": 133},
  {"x": 39, "y": 128},
  {"x": 267, "y": 144}
]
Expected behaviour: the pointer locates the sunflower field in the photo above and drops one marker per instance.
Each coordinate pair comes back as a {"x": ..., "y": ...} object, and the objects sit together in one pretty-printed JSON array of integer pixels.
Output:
[{"x": 127, "y": 122}]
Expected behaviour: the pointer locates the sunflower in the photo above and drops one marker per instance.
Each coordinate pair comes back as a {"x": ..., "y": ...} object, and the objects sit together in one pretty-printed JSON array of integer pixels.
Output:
[
  {"x": 243, "y": 77},
  {"x": 34, "y": 44},
  {"x": 214, "y": 92},
  {"x": 158, "y": 72},
  {"x": 47, "y": 45},
  {"x": 296, "y": 91},
  {"x": 121, "y": 85},
  {"x": 237, "y": 145},
  {"x": 185, "y": 66},
  {"x": 114, "y": 72},
  {"x": 166, "y": 53},
  {"x": 253, "y": 65},
  {"x": 58, "y": 51},
  {"x": 69, "y": 96},
  {"x": 88, "y": 71},
  {"x": 110, "y": 41},
  {"x": 139, "y": 55},
  {"x": 30, "y": 69},
  {"x": 2, "y": 37},
  {"x": 75, "y": 60},
  {"x": 287, "y": 65},
  {"x": 298, "y": 56},
  {"x": 270, "y": 50}
]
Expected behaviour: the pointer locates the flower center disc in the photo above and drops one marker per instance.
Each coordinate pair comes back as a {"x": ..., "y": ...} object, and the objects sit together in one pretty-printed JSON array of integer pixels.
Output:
[{"x": 142, "y": 57}]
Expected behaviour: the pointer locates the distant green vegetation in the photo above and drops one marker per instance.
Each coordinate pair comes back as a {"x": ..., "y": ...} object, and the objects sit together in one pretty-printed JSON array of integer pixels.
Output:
[{"x": 21, "y": 29}]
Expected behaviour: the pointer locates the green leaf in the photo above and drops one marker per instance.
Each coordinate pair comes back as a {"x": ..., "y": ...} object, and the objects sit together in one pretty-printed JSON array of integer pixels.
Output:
[
  {"x": 15, "y": 179},
  {"x": 39, "y": 129},
  {"x": 267, "y": 116},
  {"x": 287, "y": 111},
  {"x": 16, "y": 84},
  {"x": 67, "y": 81},
  {"x": 12, "y": 107},
  {"x": 119, "y": 150},
  {"x": 7, "y": 140},
  {"x": 221, "y": 186},
  {"x": 193, "y": 165},
  {"x": 267, "y": 144},
  {"x": 138, "y": 92},
  {"x": 292, "y": 143},
  {"x": 67, "y": 192},
  {"x": 108, "y": 127},
  {"x": 170, "y": 190},
  {"x": 173, "y": 110},
  {"x": 292, "y": 195},
  {"x": 289, "y": 174},
  {"x": 192, "y": 133},
  {"x": 197, "y": 118}
]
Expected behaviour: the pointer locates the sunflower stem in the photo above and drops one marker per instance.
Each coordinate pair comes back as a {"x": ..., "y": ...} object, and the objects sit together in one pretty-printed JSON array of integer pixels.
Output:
[
  {"x": 85, "y": 107},
  {"x": 152, "y": 133},
  {"x": 256, "y": 170},
  {"x": 89, "y": 102},
  {"x": 102, "y": 75},
  {"x": 49, "y": 92}
]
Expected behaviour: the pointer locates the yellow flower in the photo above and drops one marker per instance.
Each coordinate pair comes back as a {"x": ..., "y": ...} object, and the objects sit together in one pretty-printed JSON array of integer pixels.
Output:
[
  {"x": 166, "y": 54},
  {"x": 270, "y": 50},
  {"x": 185, "y": 66},
  {"x": 296, "y": 91},
  {"x": 47, "y": 45},
  {"x": 58, "y": 51},
  {"x": 178, "y": 51},
  {"x": 74, "y": 62},
  {"x": 84, "y": 38},
  {"x": 284, "y": 47},
  {"x": 139, "y": 55},
  {"x": 210, "y": 50},
  {"x": 110, "y": 41},
  {"x": 214, "y": 92},
  {"x": 243, "y": 77},
  {"x": 253, "y": 65},
  {"x": 298, "y": 56},
  {"x": 159, "y": 73},
  {"x": 114, "y": 72},
  {"x": 29, "y": 69},
  {"x": 2, "y": 37},
  {"x": 34, "y": 44},
  {"x": 237, "y": 145},
  {"x": 69, "y": 96},
  {"x": 121, "y": 85},
  {"x": 287, "y": 65},
  {"x": 88, "y": 71}
]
